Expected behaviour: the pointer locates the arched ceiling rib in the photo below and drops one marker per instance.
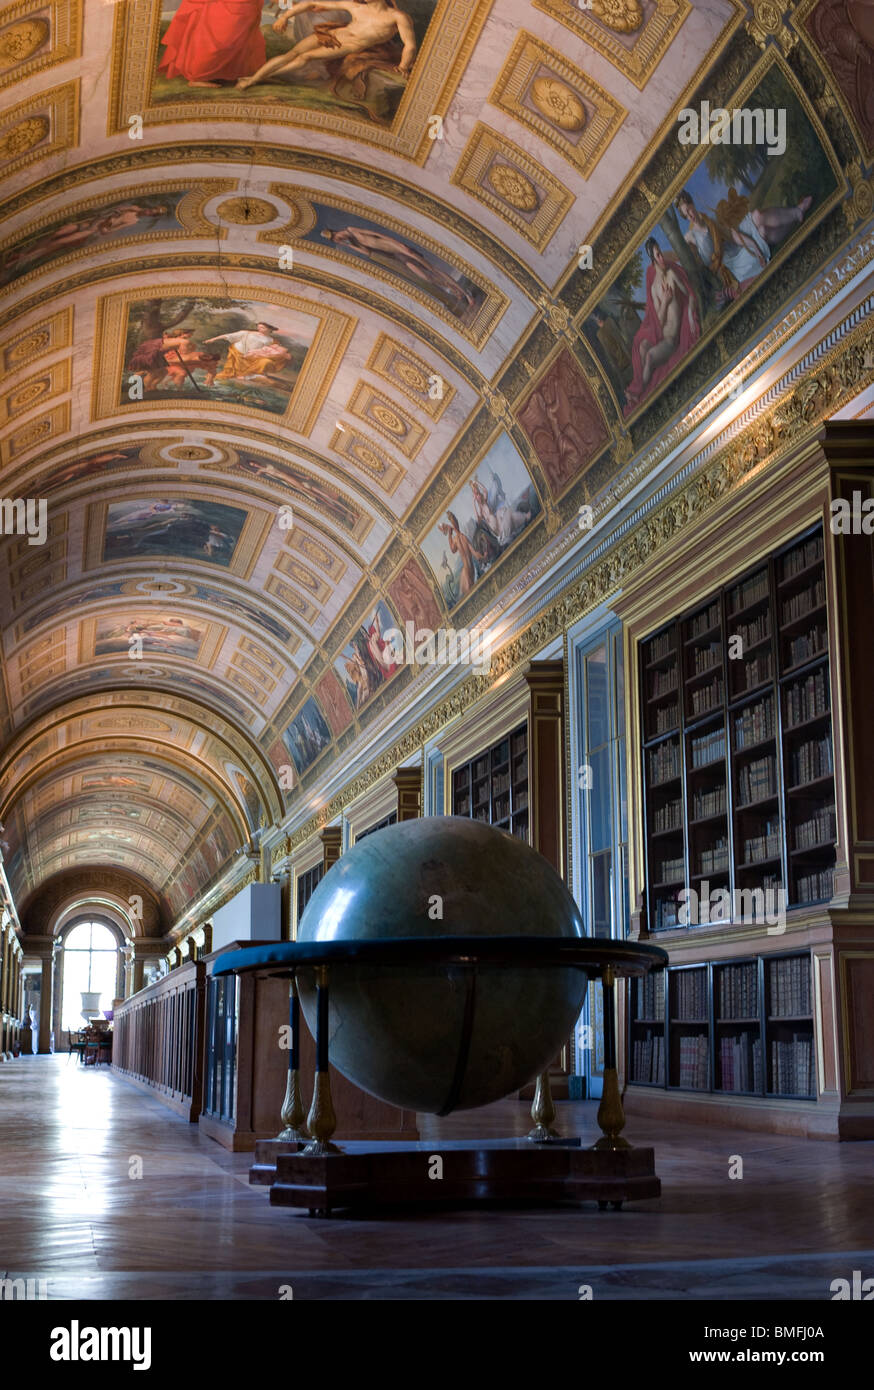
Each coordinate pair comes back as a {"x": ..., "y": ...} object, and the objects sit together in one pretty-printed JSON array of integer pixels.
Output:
[{"x": 232, "y": 522}]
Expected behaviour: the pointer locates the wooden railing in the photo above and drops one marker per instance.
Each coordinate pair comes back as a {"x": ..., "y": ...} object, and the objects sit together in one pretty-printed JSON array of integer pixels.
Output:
[{"x": 158, "y": 1039}]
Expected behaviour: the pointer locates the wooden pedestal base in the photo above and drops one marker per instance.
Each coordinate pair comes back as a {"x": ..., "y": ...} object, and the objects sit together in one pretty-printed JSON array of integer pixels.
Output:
[
  {"x": 498, "y": 1171},
  {"x": 263, "y": 1170}
]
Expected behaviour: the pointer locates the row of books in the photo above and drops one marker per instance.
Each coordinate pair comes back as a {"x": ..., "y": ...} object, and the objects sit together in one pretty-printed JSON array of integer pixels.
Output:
[
  {"x": 806, "y": 699},
  {"x": 803, "y": 555},
  {"x": 811, "y": 760},
  {"x": 703, "y": 622},
  {"x": 792, "y": 1072},
  {"x": 690, "y": 993},
  {"x": 663, "y": 682},
  {"x": 648, "y": 1058},
  {"x": 739, "y": 990},
  {"x": 757, "y": 670},
  {"x": 757, "y": 780},
  {"x": 664, "y": 763},
  {"x": 754, "y": 724},
  {"x": 740, "y": 1063},
  {"x": 813, "y": 888},
  {"x": 667, "y": 718},
  {"x": 666, "y": 914},
  {"x": 819, "y": 829},
  {"x": 694, "y": 1062},
  {"x": 707, "y": 657},
  {"x": 706, "y": 696},
  {"x": 660, "y": 647},
  {"x": 764, "y": 846},
  {"x": 789, "y": 987},
  {"x": 714, "y": 859},
  {"x": 750, "y": 591},
  {"x": 672, "y": 871},
  {"x": 803, "y": 602},
  {"x": 755, "y": 631},
  {"x": 651, "y": 995},
  {"x": 668, "y": 817},
  {"x": 708, "y": 748},
  {"x": 709, "y": 803},
  {"x": 808, "y": 645}
]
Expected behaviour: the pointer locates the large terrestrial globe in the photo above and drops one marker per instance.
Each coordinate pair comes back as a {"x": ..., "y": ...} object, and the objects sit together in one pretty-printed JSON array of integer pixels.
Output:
[{"x": 397, "y": 1031}]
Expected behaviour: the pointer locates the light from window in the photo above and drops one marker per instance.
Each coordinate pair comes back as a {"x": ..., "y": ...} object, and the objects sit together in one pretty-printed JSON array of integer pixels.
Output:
[{"x": 90, "y": 962}]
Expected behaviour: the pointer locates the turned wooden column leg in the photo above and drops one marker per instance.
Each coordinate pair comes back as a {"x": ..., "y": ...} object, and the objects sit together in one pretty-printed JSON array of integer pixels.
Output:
[
  {"x": 321, "y": 1121},
  {"x": 292, "y": 1113},
  {"x": 543, "y": 1112},
  {"x": 611, "y": 1116}
]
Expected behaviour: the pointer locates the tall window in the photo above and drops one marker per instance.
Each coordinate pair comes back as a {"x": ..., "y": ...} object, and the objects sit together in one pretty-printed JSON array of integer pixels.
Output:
[
  {"x": 603, "y": 808},
  {"x": 90, "y": 962}
]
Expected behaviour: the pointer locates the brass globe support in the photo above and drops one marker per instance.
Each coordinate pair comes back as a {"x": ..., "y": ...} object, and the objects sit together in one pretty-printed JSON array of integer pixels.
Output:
[
  {"x": 543, "y": 1112},
  {"x": 322, "y": 1121},
  {"x": 293, "y": 1114},
  {"x": 611, "y": 1116}
]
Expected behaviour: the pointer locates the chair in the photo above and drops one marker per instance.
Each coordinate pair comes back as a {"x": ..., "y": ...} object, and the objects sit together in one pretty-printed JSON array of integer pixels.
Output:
[{"x": 75, "y": 1044}]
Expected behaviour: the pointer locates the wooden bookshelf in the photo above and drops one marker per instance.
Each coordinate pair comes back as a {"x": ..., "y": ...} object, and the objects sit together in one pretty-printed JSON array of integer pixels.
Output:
[
  {"x": 493, "y": 787},
  {"x": 390, "y": 819},
  {"x": 737, "y": 752},
  {"x": 307, "y": 883},
  {"x": 739, "y": 1027}
]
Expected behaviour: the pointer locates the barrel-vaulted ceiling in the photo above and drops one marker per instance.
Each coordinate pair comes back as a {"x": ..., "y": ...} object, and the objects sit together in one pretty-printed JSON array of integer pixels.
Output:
[{"x": 297, "y": 353}]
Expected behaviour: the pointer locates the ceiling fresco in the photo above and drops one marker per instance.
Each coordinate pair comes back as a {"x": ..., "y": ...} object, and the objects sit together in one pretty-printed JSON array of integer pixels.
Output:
[{"x": 318, "y": 322}]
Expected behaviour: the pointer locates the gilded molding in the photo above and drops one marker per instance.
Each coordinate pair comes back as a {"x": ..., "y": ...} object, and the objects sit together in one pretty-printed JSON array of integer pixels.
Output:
[
  {"x": 600, "y": 25},
  {"x": 511, "y": 184},
  {"x": 558, "y": 102}
]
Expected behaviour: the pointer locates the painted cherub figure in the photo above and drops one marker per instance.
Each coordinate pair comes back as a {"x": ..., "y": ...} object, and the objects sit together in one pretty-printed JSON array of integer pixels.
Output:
[{"x": 373, "y": 22}]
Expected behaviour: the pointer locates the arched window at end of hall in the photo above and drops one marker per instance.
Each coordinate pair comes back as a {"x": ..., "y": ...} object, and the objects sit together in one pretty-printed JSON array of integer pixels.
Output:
[{"x": 90, "y": 964}]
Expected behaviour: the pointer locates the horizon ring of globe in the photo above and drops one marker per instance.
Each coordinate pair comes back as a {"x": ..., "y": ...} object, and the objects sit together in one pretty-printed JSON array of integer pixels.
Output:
[{"x": 401, "y": 1032}]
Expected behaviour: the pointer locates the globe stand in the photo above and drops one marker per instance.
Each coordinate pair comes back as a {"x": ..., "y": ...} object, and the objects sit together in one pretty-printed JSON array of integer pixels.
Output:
[
  {"x": 292, "y": 1113},
  {"x": 543, "y": 1113},
  {"x": 321, "y": 1121},
  {"x": 611, "y": 1115},
  {"x": 294, "y": 1136},
  {"x": 322, "y": 1178}
]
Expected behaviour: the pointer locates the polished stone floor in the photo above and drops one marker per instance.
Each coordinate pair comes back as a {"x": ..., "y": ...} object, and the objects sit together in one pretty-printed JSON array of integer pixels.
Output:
[{"x": 74, "y": 1213}]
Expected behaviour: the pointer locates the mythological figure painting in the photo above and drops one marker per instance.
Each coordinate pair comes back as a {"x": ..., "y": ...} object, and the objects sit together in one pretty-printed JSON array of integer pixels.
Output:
[
  {"x": 306, "y": 736},
  {"x": 352, "y": 56},
  {"x": 225, "y": 350},
  {"x": 369, "y": 660},
  {"x": 322, "y": 497},
  {"x": 378, "y": 246},
  {"x": 195, "y": 530},
  {"x": 482, "y": 521},
  {"x": 165, "y": 634},
  {"x": 739, "y": 211},
  {"x": 108, "y": 222}
]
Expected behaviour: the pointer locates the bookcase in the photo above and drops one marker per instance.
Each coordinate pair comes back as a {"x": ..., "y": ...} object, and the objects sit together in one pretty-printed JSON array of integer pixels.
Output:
[
  {"x": 307, "y": 883},
  {"x": 493, "y": 787},
  {"x": 390, "y": 819},
  {"x": 737, "y": 757},
  {"x": 743, "y": 1027}
]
